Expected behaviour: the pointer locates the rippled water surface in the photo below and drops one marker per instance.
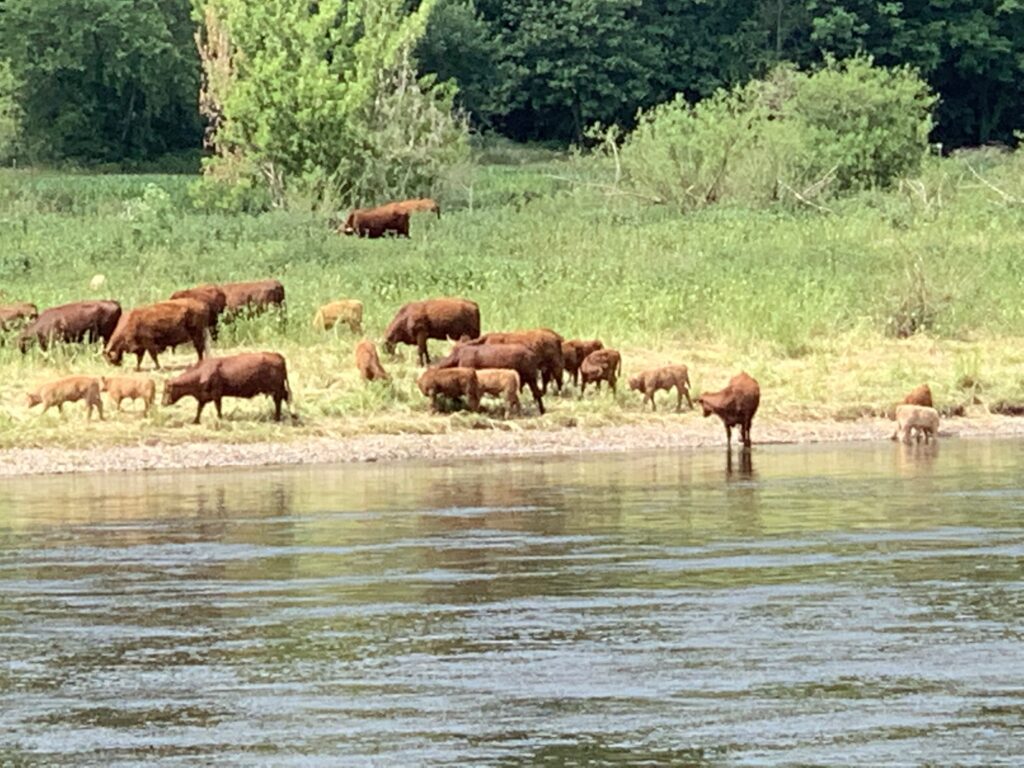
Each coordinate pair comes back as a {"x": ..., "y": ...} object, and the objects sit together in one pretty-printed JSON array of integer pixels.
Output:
[{"x": 849, "y": 605}]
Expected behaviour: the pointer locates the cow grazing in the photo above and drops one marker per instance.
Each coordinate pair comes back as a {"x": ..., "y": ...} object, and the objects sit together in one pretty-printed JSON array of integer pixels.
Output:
[
  {"x": 735, "y": 405},
  {"x": 377, "y": 222},
  {"x": 418, "y": 321},
  {"x": 120, "y": 388},
  {"x": 212, "y": 297},
  {"x": 368, "y": 363},
  {"x": 516, "y": 357},
  {"x": 600, "y": 365},
  {"x": 574, "y": 352},
  {"x": 451, "y": 382},
  {"x": 419, "y": 204},
  {"x": 69, "y": 390},
  {"x": 13, "y": 315},
  {"x": 157, "y": 327},
  {"x": 921, "y": 395},
  {"x": 650, "y": 381},
  {"x": 244, "y": 375},
  {"x": 545, "y": 342},
  {"x": 252, "y": 298},
  {"x": 919, "y": 419},
  {"x": 502, "y": 383},
  {"x": 80, "y": 321},
  {"x": 347, "y": 311}
]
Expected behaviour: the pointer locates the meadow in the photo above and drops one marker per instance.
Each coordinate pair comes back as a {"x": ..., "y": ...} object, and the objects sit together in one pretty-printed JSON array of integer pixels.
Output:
[{"x": 837, "y": 311}]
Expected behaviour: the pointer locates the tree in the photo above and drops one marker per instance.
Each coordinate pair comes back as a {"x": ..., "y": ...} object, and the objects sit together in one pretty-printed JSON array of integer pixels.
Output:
[
  {"x": 102, "y": 79},
  {"x": 10, "y": 112},
  {"x": 324, "y": 97}
]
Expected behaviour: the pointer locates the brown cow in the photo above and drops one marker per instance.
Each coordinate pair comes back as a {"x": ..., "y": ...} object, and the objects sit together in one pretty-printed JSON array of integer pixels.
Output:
[
  {"x": 649, "y": 382},
  {"x": 418, "y": 321},
  {"x": 451, "y": 382},
  {"x": 574, "y": 352},
  {"x": 13, "y": 315},
  {"x": 244, "y": 375},
  {"x": 921, "y": 395},
  {"x": 120, "y": 388},
  {"x": 517, "y": 357},
  {"x": 419, "y": 204},
  {"x": 600, "y": 365},
  {"x": 68, "y": 390},
  {"x": 735, "y": 405},
  {"x": 215, "y": 300},
  {"x": 157, "y": 327},
  {"x": 368, "y": 363},
  {"x": 377, "y": 222},
  {"x": 545, "y": 342},
  {"x": 72, "y": 323},
  {"x": 252, "y": 297},
  {"x": 502, "y": 383}
]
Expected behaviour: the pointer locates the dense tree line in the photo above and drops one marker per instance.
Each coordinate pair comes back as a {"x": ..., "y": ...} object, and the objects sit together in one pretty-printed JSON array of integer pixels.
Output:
[{"x": 115, "y": 79}]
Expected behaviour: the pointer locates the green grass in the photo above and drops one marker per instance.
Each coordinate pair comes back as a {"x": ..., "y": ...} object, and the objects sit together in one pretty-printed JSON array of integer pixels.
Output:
[{"x": 807, "y": 301}]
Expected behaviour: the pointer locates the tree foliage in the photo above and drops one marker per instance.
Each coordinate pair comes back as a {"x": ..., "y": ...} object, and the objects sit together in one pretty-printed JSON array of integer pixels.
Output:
[{"x": 324, "y": 98}]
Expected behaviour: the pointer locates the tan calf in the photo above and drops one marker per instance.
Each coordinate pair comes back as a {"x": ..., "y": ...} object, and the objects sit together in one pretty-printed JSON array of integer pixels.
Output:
[
  {"x": 347, "y": 312},
  {"x": 452, "y": 382},
  {"x": 120, "y": 388},
  {"x": 503, "y": 383},
  {"x": 665, "y": 378},
  {"x": 368, "y": 362},
  {"x": 68, "y": 390},
  {"x": 916, "y": 418}
]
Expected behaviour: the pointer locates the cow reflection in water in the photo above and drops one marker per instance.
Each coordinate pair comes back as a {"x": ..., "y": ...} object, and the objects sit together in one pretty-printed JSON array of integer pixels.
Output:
[{"x": 743, "y": 468}]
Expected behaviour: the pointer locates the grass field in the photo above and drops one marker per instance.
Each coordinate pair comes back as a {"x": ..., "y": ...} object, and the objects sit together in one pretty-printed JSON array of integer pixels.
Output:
[{"x": 812, "y": 303}]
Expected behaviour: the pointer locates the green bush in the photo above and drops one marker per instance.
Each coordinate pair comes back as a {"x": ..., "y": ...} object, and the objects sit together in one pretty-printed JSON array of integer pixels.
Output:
[{"x": 791, "y": 136}]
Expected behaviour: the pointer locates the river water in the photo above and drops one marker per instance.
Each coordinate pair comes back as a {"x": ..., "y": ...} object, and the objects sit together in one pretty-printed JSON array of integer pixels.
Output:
[{"x": 841, "y": 605}]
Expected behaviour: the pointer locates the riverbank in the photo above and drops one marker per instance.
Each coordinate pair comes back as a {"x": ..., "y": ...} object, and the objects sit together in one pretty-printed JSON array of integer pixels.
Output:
[{"x": 690, "y": 433}]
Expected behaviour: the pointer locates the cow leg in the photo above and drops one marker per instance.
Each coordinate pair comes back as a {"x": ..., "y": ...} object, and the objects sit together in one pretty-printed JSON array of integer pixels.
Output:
[
  {"x": 535, "y": 390},
  {"x": 679, "y": 398},
  {"x": 583, "y": 388},
  {"x": 650, "y": 396},
  {"x": 421, "y": 345},
  {"x": 99, "y": 408},
  {"x": 217, "y": 404},
  {"x": 60, "y": 409},
  {"x": 728, "y": 436},
  {"x": 199, "y": 410},
  {"x": 689, "y": 402},
  {"x": 746, "y": 433},
  {"x": 611, "y": 383},
  {"x": 277, "y": 407}
]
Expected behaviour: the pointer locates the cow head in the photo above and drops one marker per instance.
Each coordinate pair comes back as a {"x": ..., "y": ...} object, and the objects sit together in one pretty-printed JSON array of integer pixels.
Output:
[
  {"x": 705, "y": 406},
  {"x": 172, "y": 393},
  {"x": 32, "y": 399},
  {"x": 113, "y": 356},
  {"x": 636, "y": 382}
]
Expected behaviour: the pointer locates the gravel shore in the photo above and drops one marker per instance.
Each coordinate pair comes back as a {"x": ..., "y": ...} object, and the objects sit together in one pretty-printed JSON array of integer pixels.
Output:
[{"x": 466, "y": 443}]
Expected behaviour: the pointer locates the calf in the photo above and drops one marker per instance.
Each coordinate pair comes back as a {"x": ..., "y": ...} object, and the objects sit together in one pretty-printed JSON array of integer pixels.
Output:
[
  {"x": 575, "y": 351},
  {"x": 244, "y": 375},
  {"x": 502, "y": 383},
  {"x": 120, "y": 388},
  {"x": 600, "y": 365},
  {"x": 68, "y": 390},
  {"x": 921, "y": 419},
  {"x": 452, "y": 382},
  {"x": 517, "y": 357},
  {"x": 368, "y": 363},
  {"x": 377, "y": 222},
  {"x": 13, "y": 315},
  {"x": 649, "y": 382},
  {"x": 347, "y": 311},
  {"x": 735, "y": 405},
  {"x": 921, "y": 395}
]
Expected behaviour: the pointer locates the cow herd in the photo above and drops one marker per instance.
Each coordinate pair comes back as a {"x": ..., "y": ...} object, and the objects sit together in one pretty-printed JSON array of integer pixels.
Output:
[{"x": 499, "y": 364}]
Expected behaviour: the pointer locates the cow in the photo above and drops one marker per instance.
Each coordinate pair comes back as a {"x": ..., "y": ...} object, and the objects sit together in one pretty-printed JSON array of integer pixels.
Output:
[
  {"x": 69, "y": 390},
  {"x": 120, "y": 388},
  {"x": 735, "y": 405},
  {"x": 418, "y": 321},
  {"x": 213, "y": 297},
  {"x": 921, "y": 395},
  {"x": 600, "y": 365},
  {"x": 79, "y": 321},
  {"x": 452, "y": 382},
  {"x": 545, "y": 342},
  {"x": 517, "y": 357},
  {"x": 574, "y": 352},
  {"x": 924, "y": 420},
  {"x": 253, "y": 297},
  {"x": 377, "y": 222},
  {"x": 347, "y": 311},
  {"x": 502, "y": 383},
  {"x": 243, "y": 375},
  {"x": 13, "y": 315},
  {"x": 419, "y": 204},
  {"x": 650, "y": 381},
  {"x": 368, "y": 363},
  {"x": 156, "y": 327}
]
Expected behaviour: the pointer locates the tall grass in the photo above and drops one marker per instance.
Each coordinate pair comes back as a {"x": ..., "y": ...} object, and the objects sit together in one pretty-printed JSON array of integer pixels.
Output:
[{"x": 941, "y": 256}]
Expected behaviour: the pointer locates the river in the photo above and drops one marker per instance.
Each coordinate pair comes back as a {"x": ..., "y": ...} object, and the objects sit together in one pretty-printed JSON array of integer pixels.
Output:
[{"x": 847, "y": 604}]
